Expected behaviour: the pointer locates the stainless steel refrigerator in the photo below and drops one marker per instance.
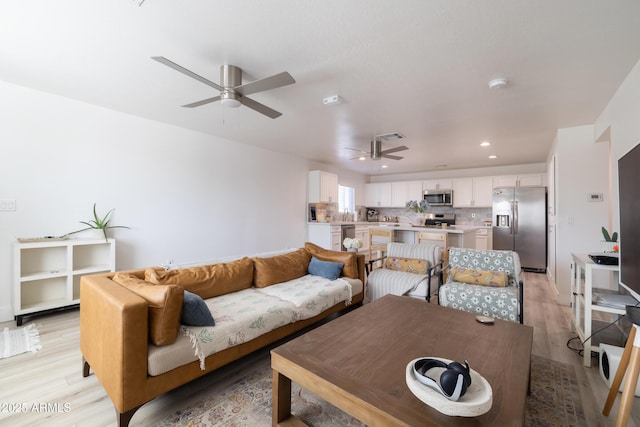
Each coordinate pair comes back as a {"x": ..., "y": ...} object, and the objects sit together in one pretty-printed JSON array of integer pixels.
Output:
[{"x": 520, "y": 224}]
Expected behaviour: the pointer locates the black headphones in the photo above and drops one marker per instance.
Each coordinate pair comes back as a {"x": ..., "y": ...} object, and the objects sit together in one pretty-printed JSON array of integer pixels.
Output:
[{"x": 454, "y": 381}]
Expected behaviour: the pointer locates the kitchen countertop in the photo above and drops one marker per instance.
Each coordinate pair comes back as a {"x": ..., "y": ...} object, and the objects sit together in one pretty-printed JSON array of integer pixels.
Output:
[
  {"x": 456, "y": 229},
  {"x": 453, "y": 229}
]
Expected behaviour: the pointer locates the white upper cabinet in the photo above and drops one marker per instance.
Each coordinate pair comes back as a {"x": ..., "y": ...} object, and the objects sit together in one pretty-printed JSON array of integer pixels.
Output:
[
  {"x": 437, "y": 184},
  {"x": 473, "y": 192},
  {"x": 378, "y": 195},
  {"x": 403, "y": 191},
  {"x": 482, "y": 191},
  {"x": 525, "y": 180},
  {"x": 323, "y": 187},
  {"x": 463, "y": 192}
]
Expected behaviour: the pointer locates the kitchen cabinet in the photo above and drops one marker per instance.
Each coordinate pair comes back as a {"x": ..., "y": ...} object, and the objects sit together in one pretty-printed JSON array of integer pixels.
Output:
[
  {"x": 47, "y": 274},
  {"x": 362, "y": 233},
  {"x": 472, "y": 192},
  {"x": 403, "y": 191},
  {"x": 484, "y": 239},
  {"x": 482, "y": 191},
  {"x": 323, "y": 187},
  {"x": 524, "y": 180},
  {"x": 378, "y": 195},
  {"x": 437, "y": 184},
  {"x": 325, "y": 235}
]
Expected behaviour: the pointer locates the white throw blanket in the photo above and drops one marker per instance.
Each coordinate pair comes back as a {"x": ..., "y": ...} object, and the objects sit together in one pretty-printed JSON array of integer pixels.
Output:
[
  {"x": 383, "y": 281},
  {"x": 244, "y": 315}
]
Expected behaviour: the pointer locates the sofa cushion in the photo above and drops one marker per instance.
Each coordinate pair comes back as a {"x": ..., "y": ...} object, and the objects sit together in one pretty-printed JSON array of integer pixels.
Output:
[
  {"x": 349, "y": 259},
  {"x": 207, "y": 281},
  {"x": 496, "y": 279},
  {"x": 195, "y": 312},
  {"x": 280, "y": 268},
  {"x": 327, "y": 269},
  {"x": 410, "y": 265},
  {"x": 165, "y": 306}
]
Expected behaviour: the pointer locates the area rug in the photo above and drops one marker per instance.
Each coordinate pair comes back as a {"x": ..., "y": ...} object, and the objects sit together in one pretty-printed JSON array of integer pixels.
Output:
[
  {"x": 21, "y": 340},
  {"x": 246, "y": 401}
]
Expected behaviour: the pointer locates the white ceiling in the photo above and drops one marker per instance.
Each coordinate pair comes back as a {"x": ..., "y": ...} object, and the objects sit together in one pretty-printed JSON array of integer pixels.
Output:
[{"x": 417, "y": 67}]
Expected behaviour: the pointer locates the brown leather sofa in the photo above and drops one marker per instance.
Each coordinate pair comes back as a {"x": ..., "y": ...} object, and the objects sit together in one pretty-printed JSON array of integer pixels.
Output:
[{"x": 115, "y": 324}]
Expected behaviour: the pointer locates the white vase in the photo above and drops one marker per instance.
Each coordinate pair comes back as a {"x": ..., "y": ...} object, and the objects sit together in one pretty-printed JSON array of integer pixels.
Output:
[
  {"x": 96, "y": 233},
  {"x": 607, "y": 246},
  {"x": 352, "y": 250}
]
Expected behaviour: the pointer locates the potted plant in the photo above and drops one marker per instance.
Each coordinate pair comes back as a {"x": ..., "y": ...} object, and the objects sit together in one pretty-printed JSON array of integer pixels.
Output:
[
  {"x": 99, "y": 223},
  {"x": 419, "y": 208},
  {"x": 610, "y": 242}
]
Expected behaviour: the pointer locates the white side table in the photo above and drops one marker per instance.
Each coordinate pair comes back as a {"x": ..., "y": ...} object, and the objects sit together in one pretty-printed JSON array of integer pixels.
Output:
[{"x": 582, "y": 299}]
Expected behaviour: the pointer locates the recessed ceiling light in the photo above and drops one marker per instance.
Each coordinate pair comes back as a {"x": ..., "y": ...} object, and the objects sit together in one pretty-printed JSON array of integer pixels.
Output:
[
  {"x": 485, "y": 144},
  {"x": 384, "y": 166},
  {"x": 493, "y": 156},
  {"x": 362, "y": 158}
]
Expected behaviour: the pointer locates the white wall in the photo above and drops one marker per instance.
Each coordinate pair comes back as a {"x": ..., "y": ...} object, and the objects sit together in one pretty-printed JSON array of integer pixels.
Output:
[
  {"x": 620, "y": 123},
  {"x": 187, "y": 196},
  {"x": 581, "y": 168}
]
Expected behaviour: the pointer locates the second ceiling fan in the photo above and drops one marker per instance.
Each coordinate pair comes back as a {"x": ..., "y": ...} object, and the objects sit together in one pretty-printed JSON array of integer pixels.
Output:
[
  {"x": 232, "y": 92},
  {"x": 378, "y": 153}
]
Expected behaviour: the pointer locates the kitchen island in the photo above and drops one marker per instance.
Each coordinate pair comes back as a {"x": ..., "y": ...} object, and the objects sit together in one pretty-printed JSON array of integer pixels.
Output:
[
  {"x": 328, "y": 234},
  {"x": 460, "y": 236}
]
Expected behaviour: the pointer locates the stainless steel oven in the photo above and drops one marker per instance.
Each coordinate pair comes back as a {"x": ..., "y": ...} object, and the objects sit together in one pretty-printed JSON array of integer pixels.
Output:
[{"x": 439, "y": 197}]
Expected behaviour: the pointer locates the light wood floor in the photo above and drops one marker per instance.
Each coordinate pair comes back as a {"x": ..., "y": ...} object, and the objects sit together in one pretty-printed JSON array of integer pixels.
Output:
[{"x": 52, "y": 378}]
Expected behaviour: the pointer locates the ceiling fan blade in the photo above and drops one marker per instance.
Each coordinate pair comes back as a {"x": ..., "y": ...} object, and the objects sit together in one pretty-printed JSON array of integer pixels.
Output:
[
  {"x": 393, "y": 150},
  {"x": 275, "y": 81},
  {"x": 171, "y": 64},
  {"x": 357, "y": 149},
  {"x": 260, "y": 108},
  {"x": 203, "y": 102},
  {"x": 386, "y": 156}
]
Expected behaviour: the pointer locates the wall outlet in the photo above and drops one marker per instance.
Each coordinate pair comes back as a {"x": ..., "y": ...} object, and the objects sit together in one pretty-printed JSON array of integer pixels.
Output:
[
  {"x": 473, "y": 214},
  {"x": 7, "y": 205}
]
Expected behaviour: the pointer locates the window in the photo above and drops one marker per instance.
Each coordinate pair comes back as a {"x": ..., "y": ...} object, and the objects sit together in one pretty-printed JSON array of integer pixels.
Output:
[{"x": 346, "y": 199}]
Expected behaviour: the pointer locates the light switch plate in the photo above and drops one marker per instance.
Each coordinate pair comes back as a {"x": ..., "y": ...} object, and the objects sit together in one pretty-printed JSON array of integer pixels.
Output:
[{"x": 7, "y": 205}]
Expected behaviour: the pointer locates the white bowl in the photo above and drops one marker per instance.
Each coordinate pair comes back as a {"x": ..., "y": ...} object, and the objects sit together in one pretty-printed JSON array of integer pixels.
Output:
[{"x": 476, "y": 401}]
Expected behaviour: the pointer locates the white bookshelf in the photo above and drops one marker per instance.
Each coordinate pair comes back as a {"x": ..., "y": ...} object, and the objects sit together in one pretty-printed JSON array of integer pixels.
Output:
[{"x": 47, "y": 274}]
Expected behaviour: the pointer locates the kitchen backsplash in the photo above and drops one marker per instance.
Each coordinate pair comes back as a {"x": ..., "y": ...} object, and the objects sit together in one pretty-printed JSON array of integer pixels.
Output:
[{"x": 463, "y": 216}]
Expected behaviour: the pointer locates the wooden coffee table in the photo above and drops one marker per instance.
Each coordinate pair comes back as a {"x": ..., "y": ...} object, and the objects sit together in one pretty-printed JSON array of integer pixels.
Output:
[{"x": 357, "y": 363}]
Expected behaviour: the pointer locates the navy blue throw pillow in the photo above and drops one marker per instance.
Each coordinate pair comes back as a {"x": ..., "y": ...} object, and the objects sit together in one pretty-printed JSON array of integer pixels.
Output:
[
  {"x": 195, "y": 312},
  {"x": 327, "y": 269}
]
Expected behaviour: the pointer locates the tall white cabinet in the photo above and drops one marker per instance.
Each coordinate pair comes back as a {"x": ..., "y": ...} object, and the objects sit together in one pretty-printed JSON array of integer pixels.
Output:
[{"x": 47, "y": 274}]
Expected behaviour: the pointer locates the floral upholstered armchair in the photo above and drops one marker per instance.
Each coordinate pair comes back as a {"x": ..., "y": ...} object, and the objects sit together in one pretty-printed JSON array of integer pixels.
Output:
[{"x": 486, "y": 282}]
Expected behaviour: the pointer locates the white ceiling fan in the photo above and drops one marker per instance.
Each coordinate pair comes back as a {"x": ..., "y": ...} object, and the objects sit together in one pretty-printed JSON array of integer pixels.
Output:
[
  {"x": 377, "y": 152},
  {"x": 232, "y": 92}
]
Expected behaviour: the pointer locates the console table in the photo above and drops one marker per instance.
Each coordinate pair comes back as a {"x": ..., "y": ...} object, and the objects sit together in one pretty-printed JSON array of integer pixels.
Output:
[
  {"x": 47, "y": 274},
  {"x": 582, "y": 300}
]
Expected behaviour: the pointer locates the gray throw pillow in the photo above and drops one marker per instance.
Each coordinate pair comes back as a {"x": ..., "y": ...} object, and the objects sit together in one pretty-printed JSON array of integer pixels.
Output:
[{"x": 195, "y": 312}]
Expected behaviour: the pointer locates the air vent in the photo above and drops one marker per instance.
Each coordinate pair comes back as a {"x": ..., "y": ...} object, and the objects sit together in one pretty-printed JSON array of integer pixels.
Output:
[{"x": 389, "y": 136}]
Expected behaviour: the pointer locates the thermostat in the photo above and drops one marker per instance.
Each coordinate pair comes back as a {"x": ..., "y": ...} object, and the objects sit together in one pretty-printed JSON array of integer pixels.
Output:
[{"x": 594, "y": 197}]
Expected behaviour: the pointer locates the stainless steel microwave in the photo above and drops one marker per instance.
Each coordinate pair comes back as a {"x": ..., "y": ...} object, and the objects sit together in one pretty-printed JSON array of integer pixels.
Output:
[{"x": 439, "y": 197}]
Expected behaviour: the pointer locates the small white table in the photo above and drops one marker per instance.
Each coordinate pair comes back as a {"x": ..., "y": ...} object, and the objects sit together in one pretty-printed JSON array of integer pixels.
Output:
[{"x": 582, "y": 299}]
